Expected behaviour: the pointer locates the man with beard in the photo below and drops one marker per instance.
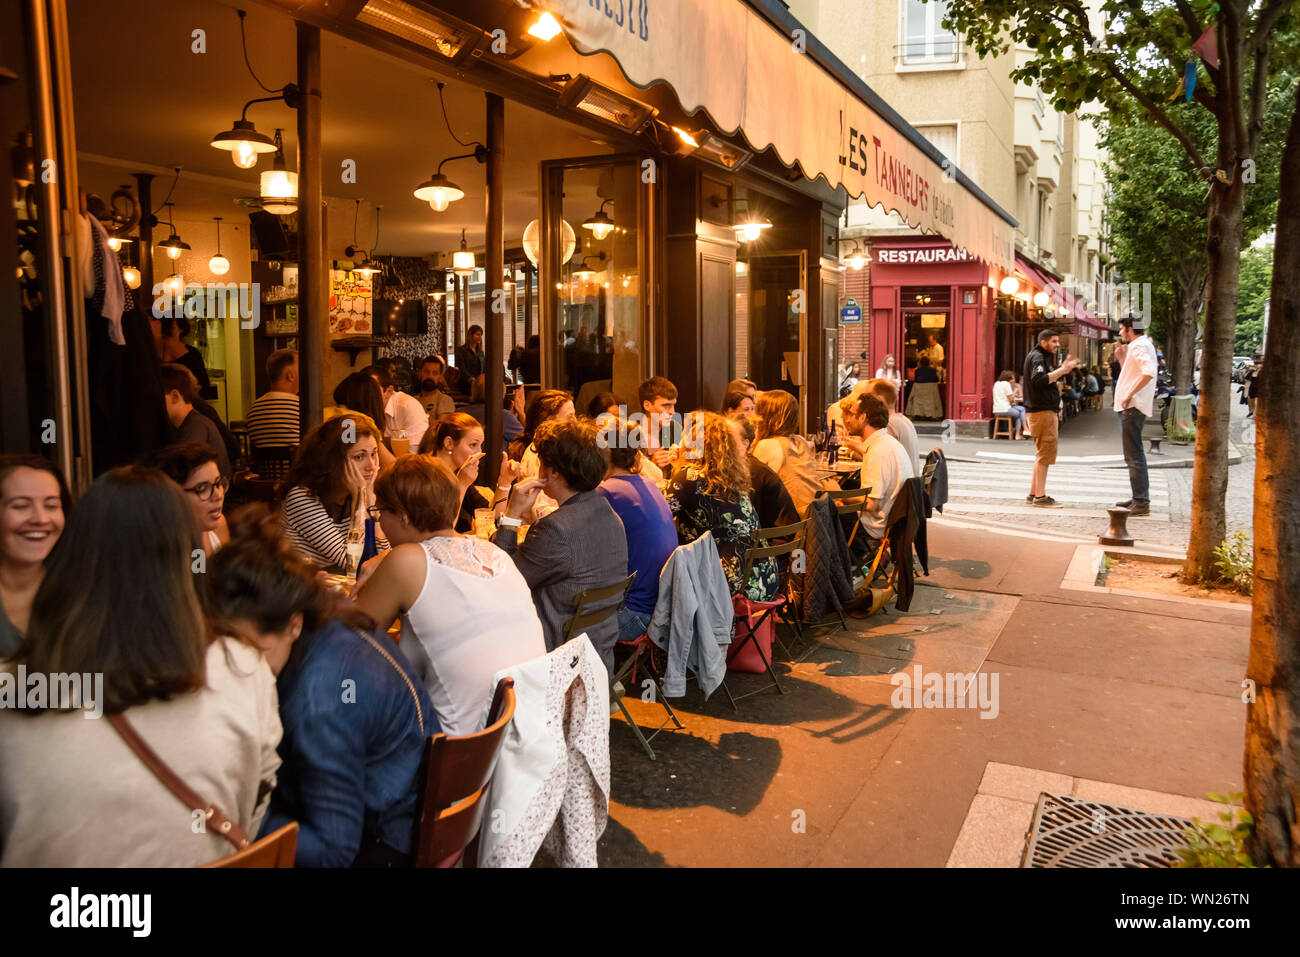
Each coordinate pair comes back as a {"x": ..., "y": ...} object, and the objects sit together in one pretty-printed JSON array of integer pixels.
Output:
[{"x": 433, "y": 388}]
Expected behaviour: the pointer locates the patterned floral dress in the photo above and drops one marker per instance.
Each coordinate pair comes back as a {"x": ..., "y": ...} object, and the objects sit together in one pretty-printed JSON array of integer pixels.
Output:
[{"x": 733, "y": 525}]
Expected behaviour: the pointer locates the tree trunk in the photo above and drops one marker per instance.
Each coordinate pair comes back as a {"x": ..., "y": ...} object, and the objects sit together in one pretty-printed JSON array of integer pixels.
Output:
[
  {"x": 1188, "y": 289},
  {"x": 1223, "y": 261},
  {"x": 1272, "y": 764}
]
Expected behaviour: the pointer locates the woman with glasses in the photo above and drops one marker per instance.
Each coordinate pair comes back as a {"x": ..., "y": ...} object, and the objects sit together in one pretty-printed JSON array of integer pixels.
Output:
[
  {"x": 194, "y": 468},
  {"x": 328, "y": 489}
]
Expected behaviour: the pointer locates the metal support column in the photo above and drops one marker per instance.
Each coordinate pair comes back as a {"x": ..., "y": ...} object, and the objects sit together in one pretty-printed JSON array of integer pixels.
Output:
[
  {"x": 494, "y": 301},
  {"x": 313, "y": 269}
]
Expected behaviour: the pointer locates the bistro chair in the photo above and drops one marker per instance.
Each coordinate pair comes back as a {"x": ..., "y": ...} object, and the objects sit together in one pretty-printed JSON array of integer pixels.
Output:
[
  {"x": 454, "y": 776},
  {"x": 275, "y": 850},
  {"x": 844, "y": 507},
  {"x": 272, "y": 462},
  {"x": 582, "y": 619},
  {"x": 746, "y": 608}
]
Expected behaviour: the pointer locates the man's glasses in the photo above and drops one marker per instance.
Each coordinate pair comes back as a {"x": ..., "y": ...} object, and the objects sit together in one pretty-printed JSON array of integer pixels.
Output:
[{"x": 205, "y": 490}]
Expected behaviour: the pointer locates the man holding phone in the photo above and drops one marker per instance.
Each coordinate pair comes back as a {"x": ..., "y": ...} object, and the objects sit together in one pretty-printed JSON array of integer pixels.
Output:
[{"x": 1043, "y": 405}]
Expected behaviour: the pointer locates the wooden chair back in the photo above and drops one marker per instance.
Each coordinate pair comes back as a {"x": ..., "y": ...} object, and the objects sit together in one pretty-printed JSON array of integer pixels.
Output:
[
  {"x": 275, "y": 850},
  {"x": 454, "y": 775}
]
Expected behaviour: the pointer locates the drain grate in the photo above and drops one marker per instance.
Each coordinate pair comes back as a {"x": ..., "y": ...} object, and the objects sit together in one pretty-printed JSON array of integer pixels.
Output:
[{"x": 1069, "y": 832}]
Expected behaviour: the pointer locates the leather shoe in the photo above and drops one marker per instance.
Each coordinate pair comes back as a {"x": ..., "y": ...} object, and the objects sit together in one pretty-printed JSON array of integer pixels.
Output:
[
  {"x": 1127, "y": 503},
  {"x": 1139, "y": 508}
]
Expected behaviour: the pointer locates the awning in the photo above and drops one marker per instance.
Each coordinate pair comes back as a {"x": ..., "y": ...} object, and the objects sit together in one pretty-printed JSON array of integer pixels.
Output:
[
  {"x": 1086, "y": 323},
  {"x": 742, "y": 67}
]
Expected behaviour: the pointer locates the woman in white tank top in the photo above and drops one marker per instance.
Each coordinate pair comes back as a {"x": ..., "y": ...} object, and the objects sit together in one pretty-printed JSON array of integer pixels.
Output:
[{"x": 467, "y": 612}]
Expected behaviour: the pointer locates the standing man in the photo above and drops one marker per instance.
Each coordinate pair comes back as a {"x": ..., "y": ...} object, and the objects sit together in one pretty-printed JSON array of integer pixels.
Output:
[
  {"x": 272, "y": 419},
  {"x": 1043, "y": 405},
  {"x": 1135, "y": 390},
  {"x": 935, "y": 353},
  {"x": 469, "y": 357}
]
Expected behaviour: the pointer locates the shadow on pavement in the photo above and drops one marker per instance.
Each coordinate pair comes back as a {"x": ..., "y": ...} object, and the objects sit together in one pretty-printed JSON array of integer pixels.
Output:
[{"x": 732, "y": 775}]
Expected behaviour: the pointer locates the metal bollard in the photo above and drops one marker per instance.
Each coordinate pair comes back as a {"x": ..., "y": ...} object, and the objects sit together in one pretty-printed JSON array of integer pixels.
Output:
[
  {"x": 1117, "y": 534},
  {"x": 1155, "y": 446}
]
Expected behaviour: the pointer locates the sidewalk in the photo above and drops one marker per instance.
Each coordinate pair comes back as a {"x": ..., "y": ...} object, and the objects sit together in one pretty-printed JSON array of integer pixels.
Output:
[
  {"x": 1090, "y": 438},
  {"x": 1114, "y": 690}
]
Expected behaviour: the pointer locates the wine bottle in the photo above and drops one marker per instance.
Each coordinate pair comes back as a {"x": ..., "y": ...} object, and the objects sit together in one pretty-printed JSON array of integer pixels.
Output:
[{"x": 368, "y": 550}]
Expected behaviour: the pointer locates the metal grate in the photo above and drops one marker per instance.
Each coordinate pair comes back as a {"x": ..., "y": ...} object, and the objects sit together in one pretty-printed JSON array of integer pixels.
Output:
[{"x": 1069, "y": 832}]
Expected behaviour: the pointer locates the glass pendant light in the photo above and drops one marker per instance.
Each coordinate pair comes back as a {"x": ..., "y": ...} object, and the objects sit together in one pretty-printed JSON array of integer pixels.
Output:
[
  {"x": 218, "y": 265},
  {"x": 462, "y": 260},
  {"x": 279, "y": 185},
  {"x": 173, "y": 245}
]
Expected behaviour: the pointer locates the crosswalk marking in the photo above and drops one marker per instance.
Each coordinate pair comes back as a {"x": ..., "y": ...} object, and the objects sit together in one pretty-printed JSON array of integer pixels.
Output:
[{"x": 983, "y": 488}]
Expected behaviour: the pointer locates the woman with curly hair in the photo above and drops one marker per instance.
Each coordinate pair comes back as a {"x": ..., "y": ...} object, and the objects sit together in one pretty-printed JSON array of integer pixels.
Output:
[
  {"x": 328, "y": 489},
  {"x": 712, "y": 495},
  {"x": 782, "y": 449}
]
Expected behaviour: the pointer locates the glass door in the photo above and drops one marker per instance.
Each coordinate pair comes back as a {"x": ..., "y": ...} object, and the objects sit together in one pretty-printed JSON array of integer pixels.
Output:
[
  {"x": 594, "y": 290},
  {"x": 772, "y": 302}
]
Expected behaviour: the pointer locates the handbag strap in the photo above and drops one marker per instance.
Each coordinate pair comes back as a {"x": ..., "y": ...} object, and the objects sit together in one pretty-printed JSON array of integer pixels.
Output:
[{"x": 213, "y": 816}]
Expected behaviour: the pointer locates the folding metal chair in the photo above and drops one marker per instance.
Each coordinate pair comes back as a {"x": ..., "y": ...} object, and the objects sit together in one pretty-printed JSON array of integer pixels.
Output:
[
  {"x": 583, "y": 619},
  {"x": 749, "y": 606}
]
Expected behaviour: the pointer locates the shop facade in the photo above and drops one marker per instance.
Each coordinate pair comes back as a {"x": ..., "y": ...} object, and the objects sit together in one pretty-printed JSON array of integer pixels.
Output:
[{"x": 679, "y": 222}]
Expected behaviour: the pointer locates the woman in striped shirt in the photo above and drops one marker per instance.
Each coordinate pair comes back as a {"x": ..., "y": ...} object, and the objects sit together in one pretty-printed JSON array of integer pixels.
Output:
[{"x": 328, "y": 489}]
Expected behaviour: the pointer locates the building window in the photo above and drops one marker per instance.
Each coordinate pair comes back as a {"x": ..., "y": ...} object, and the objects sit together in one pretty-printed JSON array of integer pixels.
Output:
[
  {"x": 944, "y": 138},
  {"x": 924, "y": 38}
]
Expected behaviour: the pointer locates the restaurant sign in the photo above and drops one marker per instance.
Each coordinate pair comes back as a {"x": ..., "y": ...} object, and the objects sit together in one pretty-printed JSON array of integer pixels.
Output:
[
  {"x": 913, "y": 256},
  {"x": 724, "y": 57}
]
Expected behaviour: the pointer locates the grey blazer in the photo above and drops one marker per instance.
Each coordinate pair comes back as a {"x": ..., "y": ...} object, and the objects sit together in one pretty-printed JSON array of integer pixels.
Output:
[{"x": 580, "y": 545}]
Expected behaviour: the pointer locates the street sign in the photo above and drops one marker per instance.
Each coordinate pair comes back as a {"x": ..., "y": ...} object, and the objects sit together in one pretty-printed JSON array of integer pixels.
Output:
[{"x": 850, "y": 312}]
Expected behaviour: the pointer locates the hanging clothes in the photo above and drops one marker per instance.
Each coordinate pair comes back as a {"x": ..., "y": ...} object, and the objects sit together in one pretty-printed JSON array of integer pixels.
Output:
[{"x": 109, "y": 293}]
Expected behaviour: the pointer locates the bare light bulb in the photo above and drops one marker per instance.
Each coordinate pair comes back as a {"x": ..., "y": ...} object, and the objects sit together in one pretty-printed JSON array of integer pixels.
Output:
[{"x": 244, "y": 155}]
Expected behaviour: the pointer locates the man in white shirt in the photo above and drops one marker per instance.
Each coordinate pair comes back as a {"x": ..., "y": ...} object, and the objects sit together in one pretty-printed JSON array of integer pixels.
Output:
[
  {"x": 884, "y": 461},
  {"x": 1134, "y": 393},
  {"x": 405, "y": 416},
  {"x": 935, "y": 352}
]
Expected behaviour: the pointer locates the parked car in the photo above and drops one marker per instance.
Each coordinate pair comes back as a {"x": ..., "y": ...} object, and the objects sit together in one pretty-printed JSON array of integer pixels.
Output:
[{"x": 1240, "y": 368}]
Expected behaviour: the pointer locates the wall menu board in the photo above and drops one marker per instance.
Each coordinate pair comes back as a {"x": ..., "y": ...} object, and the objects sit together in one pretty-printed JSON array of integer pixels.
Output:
[{"x": 351, "y": 304}]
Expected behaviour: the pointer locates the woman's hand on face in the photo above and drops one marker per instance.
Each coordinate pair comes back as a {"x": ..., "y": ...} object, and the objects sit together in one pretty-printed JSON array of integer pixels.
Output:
[
  {"x": 467, "y": 474},
  {"x": 353, "y": 479},
  {"x": 517, "y": 403}
]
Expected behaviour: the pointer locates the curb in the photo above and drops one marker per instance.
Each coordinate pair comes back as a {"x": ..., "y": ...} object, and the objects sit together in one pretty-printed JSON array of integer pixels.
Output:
[{"x": 1234, "y": 458}]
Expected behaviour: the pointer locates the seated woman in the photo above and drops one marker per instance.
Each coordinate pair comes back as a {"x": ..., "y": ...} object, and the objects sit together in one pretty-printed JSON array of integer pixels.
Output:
[
  {"x": 328, "y": 489},
  {"x": 359, "y": 392},
  {"x": 194, "y": 469},
  {"x": 783, "y": 450},
  {"x": 737, "y": 404},
  {"x": 606, "y": 403},
  {"x": 712, "y": 495},
  {"x": 549, "y": 405},
  {"x": 34, "y": 504},
  {"x": 119, "y": 603},
  {"x": 456, "y": 440},
  {"x": 647, "y": 524},
  {"x": 767, "y": 492},
  {"x": 466, "y": 610},
  {"x": 578, "y": 546},
  {"x": 355, "y": 714},
  {"x": 1002, "y": 403}
]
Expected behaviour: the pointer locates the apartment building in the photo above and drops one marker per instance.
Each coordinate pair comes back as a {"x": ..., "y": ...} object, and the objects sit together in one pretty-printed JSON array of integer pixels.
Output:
[{"x": 921, "y": 300}]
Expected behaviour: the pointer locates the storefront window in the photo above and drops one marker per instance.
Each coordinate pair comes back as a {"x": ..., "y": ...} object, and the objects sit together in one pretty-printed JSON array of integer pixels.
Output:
[{"x": 598, "y": 295}]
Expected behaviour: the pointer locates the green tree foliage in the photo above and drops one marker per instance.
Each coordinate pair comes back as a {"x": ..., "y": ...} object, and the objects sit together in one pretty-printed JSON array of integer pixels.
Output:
[{"x": 1252, "y": 294}]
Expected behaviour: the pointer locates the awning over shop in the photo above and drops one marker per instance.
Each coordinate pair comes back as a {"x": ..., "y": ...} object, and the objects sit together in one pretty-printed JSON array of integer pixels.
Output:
[
  {"x": 1086, "y": 323},
  {"x": 760, "y": 75}
]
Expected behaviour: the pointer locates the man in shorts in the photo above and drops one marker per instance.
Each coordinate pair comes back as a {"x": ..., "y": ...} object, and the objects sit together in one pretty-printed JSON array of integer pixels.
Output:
[{"x": 1043, "y": 405}]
